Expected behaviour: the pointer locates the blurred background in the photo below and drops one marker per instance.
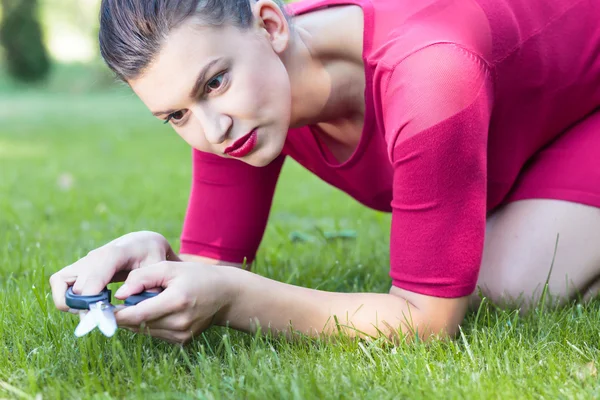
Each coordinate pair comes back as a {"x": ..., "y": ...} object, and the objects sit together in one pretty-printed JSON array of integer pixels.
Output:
[
  {"x": 80, "y": 155},
  {"x": 44, "y": 42}
]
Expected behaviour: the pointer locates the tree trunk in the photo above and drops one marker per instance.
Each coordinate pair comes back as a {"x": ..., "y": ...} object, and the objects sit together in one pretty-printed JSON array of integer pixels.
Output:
[{"x": 26, "y": 57}]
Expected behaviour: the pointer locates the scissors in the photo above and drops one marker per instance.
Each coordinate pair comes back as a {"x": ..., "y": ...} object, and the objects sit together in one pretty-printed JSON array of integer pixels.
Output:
[{"x": 101, "y": 312}]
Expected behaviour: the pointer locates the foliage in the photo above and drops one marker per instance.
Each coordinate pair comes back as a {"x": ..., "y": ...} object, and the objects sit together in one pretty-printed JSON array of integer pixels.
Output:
[{"x": 21, "y": 37}]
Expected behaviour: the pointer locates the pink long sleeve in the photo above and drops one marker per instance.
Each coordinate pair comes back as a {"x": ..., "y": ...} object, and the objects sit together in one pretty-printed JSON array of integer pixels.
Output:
[
  {"x": 228, "y": 207},
  {"x": 436, "y": 113}
]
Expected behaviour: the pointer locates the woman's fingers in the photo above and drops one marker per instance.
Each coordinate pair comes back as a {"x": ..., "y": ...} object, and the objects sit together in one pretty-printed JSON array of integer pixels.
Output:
[
  {"x": 180, "y": 321},
  {"x": 97, "y": 269},
  {"x": 152, "y": 276},
  {"x": 148, "y": 310},
  {"x": 178, "y": 312},
  {"x": 89, "y": 275},
  {"x": 59, "y": 282},
  {"x": 109, "y": 263},
  {"x": 167, "y": 302}
]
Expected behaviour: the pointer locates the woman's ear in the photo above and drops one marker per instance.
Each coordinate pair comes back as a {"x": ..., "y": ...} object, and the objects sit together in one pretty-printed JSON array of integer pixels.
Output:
[{"x": 269, "y": 17}]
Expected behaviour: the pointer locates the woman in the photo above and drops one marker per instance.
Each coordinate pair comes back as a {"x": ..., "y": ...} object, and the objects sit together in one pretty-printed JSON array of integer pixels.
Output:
[{"x": 467, "y": 119}]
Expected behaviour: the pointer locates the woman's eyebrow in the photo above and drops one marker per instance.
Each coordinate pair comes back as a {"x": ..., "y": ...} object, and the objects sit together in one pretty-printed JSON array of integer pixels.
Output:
[
  {"x": 202, "y": 77},
  {"x": 199, "y": 82}
]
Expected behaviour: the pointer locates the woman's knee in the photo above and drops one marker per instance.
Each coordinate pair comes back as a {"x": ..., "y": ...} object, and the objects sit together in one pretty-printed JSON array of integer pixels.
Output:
[
  {"x": 513, "y": 284},
  {"x": 534, "y": 242}
]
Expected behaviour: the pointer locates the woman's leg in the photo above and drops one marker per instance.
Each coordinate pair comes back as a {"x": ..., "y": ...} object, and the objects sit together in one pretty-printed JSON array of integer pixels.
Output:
[
  {"x": 547, "y": 202},
  {"x": 521, "y": 245}
]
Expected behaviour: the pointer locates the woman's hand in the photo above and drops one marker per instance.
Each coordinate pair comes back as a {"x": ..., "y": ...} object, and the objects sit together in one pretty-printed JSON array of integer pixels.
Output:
[
  {"x": 194, "y": 296},
  {"x": 110, "y": 263}
]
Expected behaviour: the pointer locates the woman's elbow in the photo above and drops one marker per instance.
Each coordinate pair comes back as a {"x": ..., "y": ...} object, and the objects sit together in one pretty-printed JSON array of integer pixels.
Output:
[{"x": 432, "y": 317}]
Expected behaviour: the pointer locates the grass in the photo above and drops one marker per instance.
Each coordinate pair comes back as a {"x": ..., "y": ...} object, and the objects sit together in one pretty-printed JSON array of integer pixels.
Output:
[{"x": 81, "y": 167}]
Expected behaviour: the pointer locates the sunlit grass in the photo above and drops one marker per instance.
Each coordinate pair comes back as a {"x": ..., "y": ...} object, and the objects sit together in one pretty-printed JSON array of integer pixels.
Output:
[{"x": 79, "y": 169}]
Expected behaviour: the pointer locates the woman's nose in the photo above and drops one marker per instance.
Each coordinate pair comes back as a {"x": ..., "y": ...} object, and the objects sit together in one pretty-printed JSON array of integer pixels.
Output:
[{"x": 216, "y": 127}]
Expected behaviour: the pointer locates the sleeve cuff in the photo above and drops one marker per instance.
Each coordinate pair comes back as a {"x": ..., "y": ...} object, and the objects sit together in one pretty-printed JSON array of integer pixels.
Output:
[{"x": 214, "y": 252}]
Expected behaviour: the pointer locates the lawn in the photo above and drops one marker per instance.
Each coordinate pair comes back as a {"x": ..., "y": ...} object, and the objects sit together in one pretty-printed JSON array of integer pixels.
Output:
[{"x": 81, "y": 165}]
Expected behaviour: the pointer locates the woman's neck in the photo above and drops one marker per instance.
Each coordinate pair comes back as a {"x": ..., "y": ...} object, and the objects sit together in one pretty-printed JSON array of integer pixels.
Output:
[{"x": 325, "y": 66}]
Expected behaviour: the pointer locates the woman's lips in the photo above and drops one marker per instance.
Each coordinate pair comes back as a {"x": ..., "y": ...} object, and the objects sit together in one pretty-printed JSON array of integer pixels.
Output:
[{"x": 243, "y": 145}]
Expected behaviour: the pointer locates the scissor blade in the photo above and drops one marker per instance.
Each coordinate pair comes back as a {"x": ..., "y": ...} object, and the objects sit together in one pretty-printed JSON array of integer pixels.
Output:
[
  {"x": 86, "y": 325},
  {"x": 107, "y": 322}
]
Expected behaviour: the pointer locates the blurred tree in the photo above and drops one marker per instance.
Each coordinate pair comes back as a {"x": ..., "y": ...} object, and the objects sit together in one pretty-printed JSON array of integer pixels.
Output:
[
  {"x": 21, "y": 37},
  {"x": 71, "y": 29}
]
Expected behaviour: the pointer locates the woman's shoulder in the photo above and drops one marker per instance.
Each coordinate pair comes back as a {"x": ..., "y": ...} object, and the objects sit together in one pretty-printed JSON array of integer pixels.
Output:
[
  {"x": 394, "y": 29},
  {"x": 299, "y": 7},
  {"x": 401, "y": 28}
]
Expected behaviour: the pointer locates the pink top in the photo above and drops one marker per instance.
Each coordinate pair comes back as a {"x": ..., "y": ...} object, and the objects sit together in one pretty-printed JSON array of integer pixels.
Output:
[{"x": 459, "y": 95}]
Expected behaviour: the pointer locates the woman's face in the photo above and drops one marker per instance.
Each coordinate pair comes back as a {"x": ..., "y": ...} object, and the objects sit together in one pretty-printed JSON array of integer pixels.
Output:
[{"x": 224, "y": 90}]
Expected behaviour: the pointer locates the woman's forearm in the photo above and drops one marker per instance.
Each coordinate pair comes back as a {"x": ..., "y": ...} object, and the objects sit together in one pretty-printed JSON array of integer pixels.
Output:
[{"x": 279, "y": 307}]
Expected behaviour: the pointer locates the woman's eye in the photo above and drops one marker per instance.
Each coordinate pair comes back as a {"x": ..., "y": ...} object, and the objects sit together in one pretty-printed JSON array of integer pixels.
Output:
[
  {"x": 175, "y": 117},
  {"x": 215, "y": 83}
]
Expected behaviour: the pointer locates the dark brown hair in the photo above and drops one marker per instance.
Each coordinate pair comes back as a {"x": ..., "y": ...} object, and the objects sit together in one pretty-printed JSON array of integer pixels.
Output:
[{"x": 133, "y": 31}]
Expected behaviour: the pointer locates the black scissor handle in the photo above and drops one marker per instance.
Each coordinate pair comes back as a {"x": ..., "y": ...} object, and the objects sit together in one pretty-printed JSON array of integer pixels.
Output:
[
  {"x": 80, "y": 302},
  {"x": 138, "y": 298}
]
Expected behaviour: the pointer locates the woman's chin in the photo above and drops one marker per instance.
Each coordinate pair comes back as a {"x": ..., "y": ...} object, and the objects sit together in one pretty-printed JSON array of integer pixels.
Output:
[
  {"x": 262, "y": 157},
  {"x": 259, "y": 161}
]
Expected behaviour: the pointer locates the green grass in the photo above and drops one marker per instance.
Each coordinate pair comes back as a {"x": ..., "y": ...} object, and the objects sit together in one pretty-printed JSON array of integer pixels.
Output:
[{"x": 81, "y": 167}]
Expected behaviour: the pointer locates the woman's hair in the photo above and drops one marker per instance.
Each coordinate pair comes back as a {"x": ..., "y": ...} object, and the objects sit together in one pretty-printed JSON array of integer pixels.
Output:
[{"x": 133, "y": 31}]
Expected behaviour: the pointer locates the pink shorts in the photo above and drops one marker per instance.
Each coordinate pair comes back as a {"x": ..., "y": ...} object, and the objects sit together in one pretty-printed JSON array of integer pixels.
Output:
[{"x": 567, "y": 169}]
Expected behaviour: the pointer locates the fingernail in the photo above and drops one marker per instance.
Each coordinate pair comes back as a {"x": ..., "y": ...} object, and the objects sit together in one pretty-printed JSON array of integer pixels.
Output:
[{"x": 122, "y": 289}]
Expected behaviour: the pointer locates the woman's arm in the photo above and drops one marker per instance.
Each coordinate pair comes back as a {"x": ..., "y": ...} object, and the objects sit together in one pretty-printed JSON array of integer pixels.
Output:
[
  {"x": 261, "y": 301},
  {"x": 228, "y": 207},
  {"x": 197, "y": 295},
  {"x": 437, "y": 112}
]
